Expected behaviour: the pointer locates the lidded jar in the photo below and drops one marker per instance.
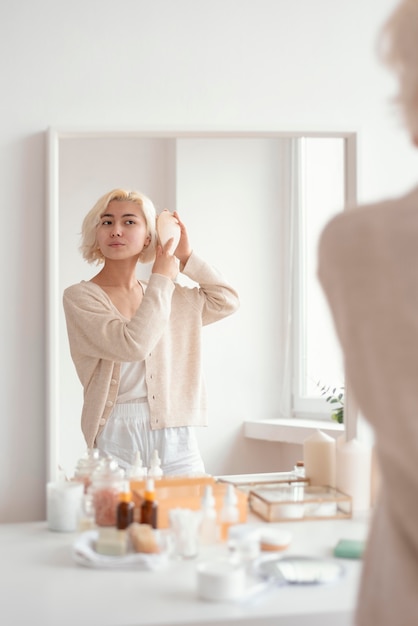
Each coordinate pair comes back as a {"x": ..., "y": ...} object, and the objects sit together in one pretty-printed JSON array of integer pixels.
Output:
[
  {"x": 85, "y": 467},
  {"x": 107, "y": 484}
]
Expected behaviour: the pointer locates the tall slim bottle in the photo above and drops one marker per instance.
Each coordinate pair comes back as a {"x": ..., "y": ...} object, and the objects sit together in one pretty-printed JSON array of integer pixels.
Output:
[{"x": 149, "y": 508}]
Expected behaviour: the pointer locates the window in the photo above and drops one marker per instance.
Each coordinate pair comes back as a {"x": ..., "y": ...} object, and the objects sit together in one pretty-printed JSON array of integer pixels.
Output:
[{"x": 319, "y": 193}]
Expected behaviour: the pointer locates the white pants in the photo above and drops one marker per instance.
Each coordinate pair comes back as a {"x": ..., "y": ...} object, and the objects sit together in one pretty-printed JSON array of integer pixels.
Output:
[{"x": 128, "y": 431}]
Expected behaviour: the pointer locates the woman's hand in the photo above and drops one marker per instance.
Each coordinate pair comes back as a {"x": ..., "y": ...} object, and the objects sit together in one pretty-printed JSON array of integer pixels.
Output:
[
  {"x": 165, "y": 263},
  {"x": 183, "y": 250}
]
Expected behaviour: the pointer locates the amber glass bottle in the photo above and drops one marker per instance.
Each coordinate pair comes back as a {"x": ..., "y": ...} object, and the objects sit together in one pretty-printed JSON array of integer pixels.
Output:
[
  {"x": 125, "y": 508},
  {"x": 149, "y": 508}
]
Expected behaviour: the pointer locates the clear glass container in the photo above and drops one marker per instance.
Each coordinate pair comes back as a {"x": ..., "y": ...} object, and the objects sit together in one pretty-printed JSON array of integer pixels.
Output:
[
  {"x": 85, "y": 467},
  {"x": 107, "y": 484}
]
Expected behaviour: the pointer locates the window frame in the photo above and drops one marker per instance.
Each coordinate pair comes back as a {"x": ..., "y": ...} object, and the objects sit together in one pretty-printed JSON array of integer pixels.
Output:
[{"x": 305, "y": 407}]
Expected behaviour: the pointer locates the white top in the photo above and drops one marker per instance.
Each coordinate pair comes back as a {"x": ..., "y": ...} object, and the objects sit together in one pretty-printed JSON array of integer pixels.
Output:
[
  {"x": 132, "y": 382},
  {"x": 69, "y": 594}
]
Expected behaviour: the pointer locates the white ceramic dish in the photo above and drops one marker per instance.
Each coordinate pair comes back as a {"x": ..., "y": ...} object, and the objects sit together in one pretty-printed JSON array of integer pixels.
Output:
[{"x": 220, "y": 580}]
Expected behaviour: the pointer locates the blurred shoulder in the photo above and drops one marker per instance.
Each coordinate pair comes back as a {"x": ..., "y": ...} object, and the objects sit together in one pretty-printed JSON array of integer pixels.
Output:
[{"x": 365, "y": 225}]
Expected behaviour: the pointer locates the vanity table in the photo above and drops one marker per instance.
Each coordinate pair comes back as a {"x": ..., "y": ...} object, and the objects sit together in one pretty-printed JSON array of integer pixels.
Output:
[{"x": 42, "y": 584}]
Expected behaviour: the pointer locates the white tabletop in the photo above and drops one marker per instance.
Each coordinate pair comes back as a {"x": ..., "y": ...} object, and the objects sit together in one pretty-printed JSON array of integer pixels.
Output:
[{"x": 40, "y": 583}]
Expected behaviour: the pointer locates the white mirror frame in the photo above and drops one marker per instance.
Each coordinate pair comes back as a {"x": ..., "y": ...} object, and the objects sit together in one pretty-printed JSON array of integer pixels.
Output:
[{"x": 54, "y": 297}]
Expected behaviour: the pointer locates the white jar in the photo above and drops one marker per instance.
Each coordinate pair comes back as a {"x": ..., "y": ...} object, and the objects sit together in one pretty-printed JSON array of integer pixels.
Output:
[
  {"x": 221, "y": 579},
  {"x": 63, "y": 505}
]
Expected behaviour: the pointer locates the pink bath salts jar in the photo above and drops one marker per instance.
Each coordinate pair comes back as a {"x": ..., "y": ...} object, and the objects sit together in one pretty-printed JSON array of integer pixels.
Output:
[{"x": 107, "y": 484}]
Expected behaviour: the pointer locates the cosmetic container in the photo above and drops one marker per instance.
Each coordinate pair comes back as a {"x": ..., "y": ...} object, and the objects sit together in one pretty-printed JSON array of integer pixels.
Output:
[
  {"x": 85, "y": 467},
  {"x": 107, "y": 483},
  {"x": 209, "y": 529},
  {"x": 155, "y": 470},
  {"x": 149, "y": 507},
  {"x": 137, "y": 471},
  {"x": 64, "y": 503},
  {"x": 185, "y": 524},
  {"x": 229, "y": 513},
  {"x": 125, "y": 508}
]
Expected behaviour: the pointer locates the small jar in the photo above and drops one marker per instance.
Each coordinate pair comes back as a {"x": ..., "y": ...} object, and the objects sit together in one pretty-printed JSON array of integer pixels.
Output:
[
  {"x": 107, "y": 484},
  {"x": 299, "y": 469},
  {"x": 86, "y": 466}
]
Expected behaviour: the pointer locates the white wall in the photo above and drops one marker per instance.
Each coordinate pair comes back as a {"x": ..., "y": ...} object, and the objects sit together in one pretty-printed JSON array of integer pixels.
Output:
[{"x": 184, "y": 63}]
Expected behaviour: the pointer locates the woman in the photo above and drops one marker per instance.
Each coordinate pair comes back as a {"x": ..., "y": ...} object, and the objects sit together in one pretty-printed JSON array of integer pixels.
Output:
[
  {"x": 368, "y": 267},
  {"x": 137, "y": 346}
]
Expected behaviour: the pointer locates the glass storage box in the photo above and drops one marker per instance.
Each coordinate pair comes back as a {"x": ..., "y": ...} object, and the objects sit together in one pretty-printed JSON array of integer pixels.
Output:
[
  {"x": 247, "y": 482},
  {"x": 298, "y": 501}
]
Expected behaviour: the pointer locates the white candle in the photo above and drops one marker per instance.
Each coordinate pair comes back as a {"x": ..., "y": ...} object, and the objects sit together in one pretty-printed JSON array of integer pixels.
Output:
[
  {"x": 63, "y": 505},
  {"x": 319, "y": 459},
  {"x": 354, "y": 472}
]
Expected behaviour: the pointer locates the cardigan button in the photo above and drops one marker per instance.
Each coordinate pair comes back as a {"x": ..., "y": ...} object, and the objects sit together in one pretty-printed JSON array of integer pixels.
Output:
[
  {"x": 109, "y": 403},
  {"x": 113, "y": 381},
  {"x": 102, "y": 422}
]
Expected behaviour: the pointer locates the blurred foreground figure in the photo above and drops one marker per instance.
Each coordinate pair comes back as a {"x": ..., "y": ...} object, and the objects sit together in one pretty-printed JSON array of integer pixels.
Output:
[{"x": 368, "y": 268}]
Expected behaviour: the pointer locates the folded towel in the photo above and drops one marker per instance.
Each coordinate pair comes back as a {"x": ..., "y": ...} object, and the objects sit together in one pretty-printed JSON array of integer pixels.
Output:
[{"x": 83, "y": 553}]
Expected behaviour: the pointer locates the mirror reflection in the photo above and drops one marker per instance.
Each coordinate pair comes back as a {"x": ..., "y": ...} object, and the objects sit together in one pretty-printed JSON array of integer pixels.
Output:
[
  {"x": 136, "y": 345},
  {"x": 300, "y": 570},
  {"x": 239, "y": 195}
]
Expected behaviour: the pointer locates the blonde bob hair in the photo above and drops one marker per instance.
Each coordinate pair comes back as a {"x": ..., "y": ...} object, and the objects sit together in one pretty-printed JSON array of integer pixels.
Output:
[
  {"x": 398, "y": 49},
  {"x": 89, "y": 249}
]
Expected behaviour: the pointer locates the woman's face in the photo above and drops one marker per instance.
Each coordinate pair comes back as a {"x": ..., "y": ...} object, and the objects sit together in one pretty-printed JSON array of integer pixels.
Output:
[{"x": 122, "y": 232}]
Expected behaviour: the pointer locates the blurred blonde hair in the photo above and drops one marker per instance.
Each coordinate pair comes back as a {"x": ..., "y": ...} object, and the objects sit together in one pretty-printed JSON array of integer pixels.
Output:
[
  {"x": 398, "y": 49},
  {"x": 89, "y": 249}
]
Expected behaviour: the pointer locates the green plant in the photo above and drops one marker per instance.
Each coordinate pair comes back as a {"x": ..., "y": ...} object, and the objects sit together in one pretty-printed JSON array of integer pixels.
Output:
[{"x": 335, "y": 397}]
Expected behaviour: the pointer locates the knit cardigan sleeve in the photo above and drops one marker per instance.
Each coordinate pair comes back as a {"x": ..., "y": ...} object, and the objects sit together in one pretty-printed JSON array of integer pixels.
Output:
[
  {"x": 96, "y": 329},
  {"x": 214, "y": 296}
]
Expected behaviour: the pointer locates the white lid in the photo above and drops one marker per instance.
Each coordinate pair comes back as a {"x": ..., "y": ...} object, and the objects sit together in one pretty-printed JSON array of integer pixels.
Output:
[
  {"x": 230, "y": 497},
  {"x": 208, "y": 499}
]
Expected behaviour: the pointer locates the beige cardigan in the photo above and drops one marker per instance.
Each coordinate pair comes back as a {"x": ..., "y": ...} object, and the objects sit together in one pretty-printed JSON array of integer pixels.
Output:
[
  {"x": 165, "y": 332},
  {"x": 368, "y": 266}
]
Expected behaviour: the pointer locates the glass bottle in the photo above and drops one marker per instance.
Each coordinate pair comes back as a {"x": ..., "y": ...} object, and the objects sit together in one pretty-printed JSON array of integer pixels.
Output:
[
  {"x": 149, "y": 507},
  {"x": 125, "y": 508},
  {"x": 299, "y": 469}
]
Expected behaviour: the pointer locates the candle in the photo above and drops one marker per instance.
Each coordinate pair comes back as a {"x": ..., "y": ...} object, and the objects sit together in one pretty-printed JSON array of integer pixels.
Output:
[
  {"x": 63, "y": 504},
  {"x": 319, "y": 459},
  {"x": 353, "y": 472}
]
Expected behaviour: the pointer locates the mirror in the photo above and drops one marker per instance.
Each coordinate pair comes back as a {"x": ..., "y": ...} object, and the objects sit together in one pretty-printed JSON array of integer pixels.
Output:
[
  {"x": 235, "y": 191},
  {"x": 300, "y": 570}
]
